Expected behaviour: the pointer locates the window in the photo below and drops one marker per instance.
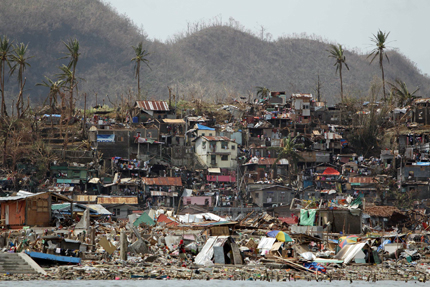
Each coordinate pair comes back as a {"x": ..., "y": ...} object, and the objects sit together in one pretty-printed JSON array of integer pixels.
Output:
[
  {"x": 224, "y": 145},
  {"x": 233, "y": 147},
  {"x": 120, "y": 139},
  {"x": 224, "y": 157},
  {"x": 257, "y": 195},
  {"x": 203, "y": 145},
  {"x": 210, "y": 134},
  {"x": 203, "y": 134},
  {"x": 117, "y": 211},
  {"x": 306, "y": 107}
]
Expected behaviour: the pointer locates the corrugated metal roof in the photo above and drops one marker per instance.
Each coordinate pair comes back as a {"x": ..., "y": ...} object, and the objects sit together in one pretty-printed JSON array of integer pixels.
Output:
[
  {"x": 217, "y": 138},
  {"x": 361, "y": 179},
  {"x": 301, "y": 95},
  {"x": 99, "y": 209},
  {"x": 167, "y": 181},
  {"x": 117, "y": 200},
  {"x": 152, "y": 105},
  {"x": 20, "y": 195},
  {"x": 163, "y": 193},
  {"x": 86, "y": 198},
  {"x": 174, "y": 121},
  {"x": 61, "y": 189}
]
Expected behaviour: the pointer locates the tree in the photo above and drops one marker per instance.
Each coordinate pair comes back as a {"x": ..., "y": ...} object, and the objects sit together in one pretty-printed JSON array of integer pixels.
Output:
[
  {"x": 379, "y": 39},
  {"x": 289, "y": 150},
  {"x": 401, "y": 92},
  {"x": 336, "y": 52},
  {"x": 73, "y": 55},
  {"x": 19, "y": 58},
  {"x": 140, "y": 57},
  {"x": 262, "y": 92},
  {"x": 5, "y": 55},
  {"x": 54, "y": 91}
]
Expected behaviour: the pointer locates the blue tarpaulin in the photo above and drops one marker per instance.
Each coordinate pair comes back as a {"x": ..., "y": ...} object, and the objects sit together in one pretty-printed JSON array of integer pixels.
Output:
[
  {"x": 387, "y": 241},
  {"x": 105, "y": 138},
  {"x": 202, "y": 127},
  {"x": 54, "y": 116},
  {"x": 315, "y": 266}
]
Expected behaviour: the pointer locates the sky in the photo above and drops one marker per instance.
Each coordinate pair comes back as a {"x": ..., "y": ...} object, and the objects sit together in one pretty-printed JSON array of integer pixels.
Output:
[{"x": 347, "y": 22}]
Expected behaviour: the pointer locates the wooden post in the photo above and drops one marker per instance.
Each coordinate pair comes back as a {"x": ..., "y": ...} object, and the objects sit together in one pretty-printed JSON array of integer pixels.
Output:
[
  {"x": 93, "y": 238},
  {"x": 123, "y": 245},
  {"x": 85, "y": 114}
]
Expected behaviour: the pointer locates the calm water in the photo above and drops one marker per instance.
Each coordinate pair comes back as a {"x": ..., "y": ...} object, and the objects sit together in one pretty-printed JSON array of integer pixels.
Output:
[{"x": 196, "y": 283}]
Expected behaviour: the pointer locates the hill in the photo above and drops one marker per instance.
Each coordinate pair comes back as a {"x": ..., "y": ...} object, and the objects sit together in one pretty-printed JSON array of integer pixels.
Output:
[{"x": 215, "y": 62}]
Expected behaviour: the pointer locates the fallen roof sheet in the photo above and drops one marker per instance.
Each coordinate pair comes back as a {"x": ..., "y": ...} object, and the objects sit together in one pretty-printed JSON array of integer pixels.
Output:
[
  {"x": 167, "y": 181},
  {"x": 348, "y": 252}
]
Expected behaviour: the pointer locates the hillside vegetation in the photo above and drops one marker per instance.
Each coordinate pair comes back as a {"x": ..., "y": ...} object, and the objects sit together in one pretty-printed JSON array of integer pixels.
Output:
[{"x": 215, "y": 61}]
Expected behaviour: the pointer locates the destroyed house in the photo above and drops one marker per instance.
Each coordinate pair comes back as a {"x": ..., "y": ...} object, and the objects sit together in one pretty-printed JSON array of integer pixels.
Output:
[
  {"x": 272, "y": 196},
  {"x": 26, "y": 208},
  {"x": 144, "y": 110}
]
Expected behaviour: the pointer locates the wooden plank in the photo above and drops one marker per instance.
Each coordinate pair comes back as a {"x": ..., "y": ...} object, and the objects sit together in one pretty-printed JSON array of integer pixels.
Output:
[{"x": 237, "y": 258}]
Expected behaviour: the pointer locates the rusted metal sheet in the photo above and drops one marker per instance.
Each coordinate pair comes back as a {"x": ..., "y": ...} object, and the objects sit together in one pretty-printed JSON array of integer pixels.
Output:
[
  {"x": 153, "y": 105},
  {"x": 163, "y": 193},
  {"x": 164, "y": 181},
  {"x": 362, "y": 179},
  {"x": 117, "y": 200},
  {"x": 86, "y": 198}
]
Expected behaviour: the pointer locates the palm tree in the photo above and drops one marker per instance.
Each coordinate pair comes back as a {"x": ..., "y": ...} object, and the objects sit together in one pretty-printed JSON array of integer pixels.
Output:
[
  {"x": 73, "y": 55},
  {"x": 379, "y": 39},
  {"x": 289, "y": 150},
  {"x": 140, "y": 57},
  {"x": 400, "y": 90},
  {"x": 19, "y": 58},
  {"x": 54, "y": 91},
  {"x": 5, "y": 54},
  {"x": 336, "y": 52},
  {"x": 262, "y": 92}
]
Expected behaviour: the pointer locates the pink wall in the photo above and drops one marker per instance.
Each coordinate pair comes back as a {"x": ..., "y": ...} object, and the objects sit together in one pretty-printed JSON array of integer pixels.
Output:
[{"x": 197, "y": 200}]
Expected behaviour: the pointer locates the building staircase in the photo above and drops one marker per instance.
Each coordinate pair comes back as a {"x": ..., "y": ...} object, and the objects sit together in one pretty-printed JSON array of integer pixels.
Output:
[{"x": 19, "y": 263}]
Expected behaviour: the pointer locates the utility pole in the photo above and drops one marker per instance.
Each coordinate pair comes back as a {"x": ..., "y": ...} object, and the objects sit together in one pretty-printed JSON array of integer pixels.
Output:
[
  {"x": 319, "y": 89},
  {"x": 85, "y": 113}
]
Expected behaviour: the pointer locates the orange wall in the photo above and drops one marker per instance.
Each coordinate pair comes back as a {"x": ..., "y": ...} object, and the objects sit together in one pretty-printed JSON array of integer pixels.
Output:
[{"x": 16, "y": 212}]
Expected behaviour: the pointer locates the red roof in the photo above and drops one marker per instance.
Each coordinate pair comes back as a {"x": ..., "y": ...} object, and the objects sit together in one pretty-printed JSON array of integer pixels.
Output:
[
  {"x": 165, "y": 181},
  {"x": 168, "y": 221},
  {"x": 153, "y": 105},
  {"x": 330, "y": 171},
  {"x": 288, "y": 220}
]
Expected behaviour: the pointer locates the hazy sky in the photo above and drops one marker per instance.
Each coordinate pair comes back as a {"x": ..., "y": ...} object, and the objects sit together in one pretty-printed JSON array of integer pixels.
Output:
[{"x": 348, "y": 22}]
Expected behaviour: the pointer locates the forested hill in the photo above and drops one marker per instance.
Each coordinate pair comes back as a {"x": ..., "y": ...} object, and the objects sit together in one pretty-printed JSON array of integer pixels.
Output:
[{"x": 217, "y": 61}]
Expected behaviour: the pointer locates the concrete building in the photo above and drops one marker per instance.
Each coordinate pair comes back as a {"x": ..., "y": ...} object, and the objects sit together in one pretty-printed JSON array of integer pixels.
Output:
[{"x": 215, "y": 151}]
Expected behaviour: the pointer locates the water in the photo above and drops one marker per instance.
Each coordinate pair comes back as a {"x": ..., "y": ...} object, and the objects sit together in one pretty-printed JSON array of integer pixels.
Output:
[{"x": 199, "y": 283}]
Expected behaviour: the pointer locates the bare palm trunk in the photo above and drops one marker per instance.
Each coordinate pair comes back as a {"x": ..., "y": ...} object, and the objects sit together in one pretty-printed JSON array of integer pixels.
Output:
[
  {"x": 383, "y": 76},
  {"x": 138, "y": 80},
  {"x": 3, "y": 104},
  {"x": 18, "y": 102},
  {"x": 341, "y": 83},
  {"x": 71, "y": 92}
]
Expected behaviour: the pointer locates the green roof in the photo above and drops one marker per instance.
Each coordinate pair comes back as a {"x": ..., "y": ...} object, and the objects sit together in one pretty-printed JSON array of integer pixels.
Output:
[
  {"x": 144, "y": 218},
  {"x": 59, "y": 206}
]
